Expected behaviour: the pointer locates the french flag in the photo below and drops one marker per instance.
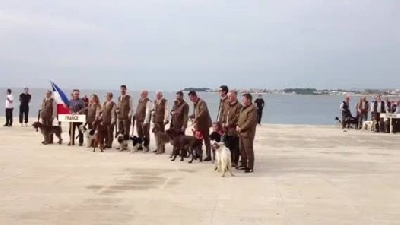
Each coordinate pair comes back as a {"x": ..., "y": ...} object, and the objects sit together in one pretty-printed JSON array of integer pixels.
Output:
[{"x": 61, "y": 99}]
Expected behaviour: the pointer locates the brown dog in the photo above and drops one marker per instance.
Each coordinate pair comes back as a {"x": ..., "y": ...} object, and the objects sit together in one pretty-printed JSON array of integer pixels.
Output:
[
  {"x": 100, "y": 135},
  {"x": 48, "y": 130}
]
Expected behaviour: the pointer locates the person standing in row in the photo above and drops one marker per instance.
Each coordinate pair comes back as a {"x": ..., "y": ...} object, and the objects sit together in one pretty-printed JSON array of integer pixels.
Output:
[
  {"x": 160, "y": 117},
  {"x": 142, "y": 116},
  {"x": 260, "y": 108},
  {"x": 76, "y": 106},
  {"x": 180, "y": 113},
  {"x": 9, "y": 108},
  {"x": 345, "y": 109},
  {"x": 48, "y": 113},
  {"x": 378, "y": 107},
  {"x": 25, "y": 99},
  {"x": 247, "y": 124},
  {"x": 93, "y": 110},
  {"x": 232, "y": 118},
  {"x": 179, "y": 118},
  {"x": 362, "y": 108},
  {"x": 223, "y": 104},
  {"x": 124, "y": 112},
  {"x": 202, "y": 120},
  {"x": 108, "y": 117}
]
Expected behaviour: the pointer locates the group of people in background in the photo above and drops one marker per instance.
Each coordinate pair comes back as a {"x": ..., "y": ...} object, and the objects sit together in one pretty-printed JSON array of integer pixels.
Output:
[
  {"x": 363, "y": 109},
  {"x": 24, "y": 99},
  {"x": 238, "y": 120}
]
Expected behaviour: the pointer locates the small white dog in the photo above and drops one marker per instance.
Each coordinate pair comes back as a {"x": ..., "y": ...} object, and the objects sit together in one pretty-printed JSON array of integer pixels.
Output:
[
  {"x": 369, "y": 125},
  {"x": 89, "y": 135},
  {"x": 222, "y": 158}
]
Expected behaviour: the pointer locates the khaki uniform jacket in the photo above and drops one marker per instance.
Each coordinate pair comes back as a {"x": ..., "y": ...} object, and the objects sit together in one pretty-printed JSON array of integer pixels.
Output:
[
  {"x": 202, "y": 116},
  {"x": 248, "y": 122},
  {"x": 143, "y": 110},
  {"x": 181, "y": 113},
  {"x": 224, "y": 106},
  {"x": 93, "y": 112},
  {"x": 232, "y": 118},
  {"x": 125, "y": 107},
  {"x": 160, "y": 111},
  {"x": 108, "y": 114},
  {"x": 48, "y": 111}
]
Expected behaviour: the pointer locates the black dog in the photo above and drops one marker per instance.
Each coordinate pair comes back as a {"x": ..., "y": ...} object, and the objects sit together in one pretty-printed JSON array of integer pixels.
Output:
[
  {"x": 50, "y": 130},
  {"x": 196, "y": 149},
  {"x": 182, "y": 146}
]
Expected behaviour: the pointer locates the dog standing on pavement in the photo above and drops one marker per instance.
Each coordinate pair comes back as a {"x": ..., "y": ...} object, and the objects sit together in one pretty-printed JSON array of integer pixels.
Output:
[
  {"x": 123, "y": 141},
  {"x": 369, "y": 125},
  {"x": 222, "y": 158},
  {"x": 99, "y": 136},
  {"x": 89, "y": 135},
  {"x": 50, "y": 129}
]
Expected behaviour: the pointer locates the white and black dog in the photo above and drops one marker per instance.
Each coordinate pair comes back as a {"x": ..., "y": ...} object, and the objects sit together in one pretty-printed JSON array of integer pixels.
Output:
[
  {"x": 123, "y": 141},
  {"x": 89, "y": 135},
  {"x": 138, "y": 141},
  {"x": 222, "y": 156}
]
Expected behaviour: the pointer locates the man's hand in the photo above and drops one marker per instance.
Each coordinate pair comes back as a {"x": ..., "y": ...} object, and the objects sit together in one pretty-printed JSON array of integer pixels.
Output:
[
  {"x": 166, "y": 122},
  {"x": 238, "y": 129}
]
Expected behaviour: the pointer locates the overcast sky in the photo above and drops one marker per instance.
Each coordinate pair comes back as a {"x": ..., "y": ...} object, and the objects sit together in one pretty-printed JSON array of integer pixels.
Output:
[{"x": 242, "y": 43}]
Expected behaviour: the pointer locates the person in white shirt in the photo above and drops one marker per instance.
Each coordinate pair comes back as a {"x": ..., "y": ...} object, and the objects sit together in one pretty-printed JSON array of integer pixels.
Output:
[
  {"x": 160, "y": 117},
  {"x": 9, "y": 108}
]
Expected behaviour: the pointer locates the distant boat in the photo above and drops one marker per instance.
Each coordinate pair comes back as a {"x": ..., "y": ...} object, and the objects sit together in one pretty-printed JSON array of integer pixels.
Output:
[{"x": 197, "y": 89}]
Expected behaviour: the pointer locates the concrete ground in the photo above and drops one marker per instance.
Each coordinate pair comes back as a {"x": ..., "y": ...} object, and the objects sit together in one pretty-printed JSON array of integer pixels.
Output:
[{"x": 303, "y": 175}]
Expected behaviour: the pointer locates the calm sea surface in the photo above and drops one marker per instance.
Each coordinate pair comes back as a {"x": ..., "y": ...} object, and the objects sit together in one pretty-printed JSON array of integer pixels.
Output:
[{"x": 280, "y": 109}]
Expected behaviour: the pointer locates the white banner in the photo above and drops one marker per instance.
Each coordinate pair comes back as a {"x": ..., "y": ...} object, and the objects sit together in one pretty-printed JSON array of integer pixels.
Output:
[
  {"x": 389, "y": 115},
  {"x": 72, "y": 118}
]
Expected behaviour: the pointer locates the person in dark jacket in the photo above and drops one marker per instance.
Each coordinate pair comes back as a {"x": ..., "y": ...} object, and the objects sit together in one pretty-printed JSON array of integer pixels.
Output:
[{"x": 25, "y": 99}]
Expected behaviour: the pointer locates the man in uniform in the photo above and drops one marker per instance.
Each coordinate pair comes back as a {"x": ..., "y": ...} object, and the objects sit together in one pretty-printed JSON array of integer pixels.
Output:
[
  {"x": 142, "y": 117},
  {"x": 48, "y": 113},
  {"x": 201, "y": 118},
  {"x": 108, "y": 117},
  {"x": 160, "y": 117},
  {"x": 179, "y": 116},
  {"x": 124, "y": 112},
  {"x": 232, "y": 116},
  {"x": 223, "y": 104},
  {"x": 180, "y": 113},
  {"x": 246, "y": 128}
]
